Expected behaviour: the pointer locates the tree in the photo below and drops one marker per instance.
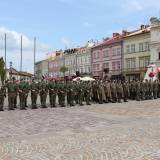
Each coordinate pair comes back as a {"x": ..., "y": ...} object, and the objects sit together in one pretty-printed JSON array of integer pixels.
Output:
[
  {"x": 2, "y": 70},
  {"x": 63, "y": 69}
]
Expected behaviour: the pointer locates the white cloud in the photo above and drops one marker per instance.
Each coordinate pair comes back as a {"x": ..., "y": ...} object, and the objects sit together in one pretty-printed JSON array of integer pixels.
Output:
[
  {"x": 139, "y": 5},
  {"x": 14, "y": 47},
  {"x": 86, "y": 24}
]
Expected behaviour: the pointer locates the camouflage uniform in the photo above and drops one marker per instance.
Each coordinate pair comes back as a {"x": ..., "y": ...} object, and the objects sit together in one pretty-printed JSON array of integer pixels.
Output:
[
  {"x": 43, "y": 91},
  {"x": 119, "y": 89},
  {"x": 113, "y": 92},
  {"x": 2, "y": 97},
  {"x": 155, "y": 89},
  {"x": 34, "y": 94},
  {"x": 52, "y": 86}
]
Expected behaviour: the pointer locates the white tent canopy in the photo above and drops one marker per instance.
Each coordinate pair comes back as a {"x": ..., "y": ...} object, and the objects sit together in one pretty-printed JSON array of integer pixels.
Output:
[{"x": 87, "y": 79}]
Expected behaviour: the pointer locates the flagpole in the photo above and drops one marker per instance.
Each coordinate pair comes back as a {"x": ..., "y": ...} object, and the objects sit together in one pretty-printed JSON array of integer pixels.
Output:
[
  {"x": 21, "y": 55},
  {"x": 34, "y": 55},
  {"x": 5, "y": 50}
]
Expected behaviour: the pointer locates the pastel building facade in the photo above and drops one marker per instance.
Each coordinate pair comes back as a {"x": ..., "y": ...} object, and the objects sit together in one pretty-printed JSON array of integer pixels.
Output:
[
  {"x": 136, "y": 52},
  {"x": 107, "y": 55}
]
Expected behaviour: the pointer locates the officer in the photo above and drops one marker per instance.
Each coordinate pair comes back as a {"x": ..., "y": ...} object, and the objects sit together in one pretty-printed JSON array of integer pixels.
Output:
[
  {"x": 2, "y": 97},
  {"x": 52, "y": 92},
  {"x": 113, "y": 91},
  {"x": 61, "y": 93},
  {"x": 119, "y": 89},
  {"x": 87, "y": 91},
  {"x": 100, "y": 92},
  {"x": 138, "y": 89},
  {"x": 34, "y": 93},
  {"x": 125, "y": 86},
  {"x": 70, "y": 93},
  {"x": 12, "y": 89},
  {"x": 22, "y": 94},
  {"x": 43, "y": 90}
]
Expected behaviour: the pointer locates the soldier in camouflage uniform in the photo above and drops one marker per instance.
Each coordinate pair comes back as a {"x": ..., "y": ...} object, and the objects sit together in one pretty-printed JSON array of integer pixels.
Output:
[
  {"x": 150, "y": 92},
  {"x": 113, "y": 92},
  {"x": 142, "y": 90},
  {"x": 133, "y": 89},
  {"x": 146, "y": 87},
  {"x": 155, "y": 89},
  {"x": 61, "y": 93},
  {"x": 43, "y": 91},
  {"x": 34, "y": 94},
  {"x": 87, "y": 91},
  {"x": 107, "y": 91},
  {"x": 95, "y": 91},
  {"x": 12, "y": 89},
  {"x": 70, "y": 93},
  {"x": 80, "y": 93},
  {"x": 138, "y": 89},
  {"x": 52, "y": 86},
  {"x": 100, "y": 92},
  {"x": 119, "y": 88},
  {"x": 27, "y": 89},
  {"x": 2, "y": 97},
  {"x": 125, "y": 86},
  {"x": 22, "y": 94}
]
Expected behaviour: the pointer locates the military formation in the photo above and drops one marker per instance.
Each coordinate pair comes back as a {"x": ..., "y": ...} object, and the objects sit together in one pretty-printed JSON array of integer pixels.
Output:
[{"x": 73, "y": 93}]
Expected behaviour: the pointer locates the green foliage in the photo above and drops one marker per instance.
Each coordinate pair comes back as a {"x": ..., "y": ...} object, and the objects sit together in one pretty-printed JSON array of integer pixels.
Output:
[
  {"x": 2, "y": 70},
  {"x": 63, "y": 69}
]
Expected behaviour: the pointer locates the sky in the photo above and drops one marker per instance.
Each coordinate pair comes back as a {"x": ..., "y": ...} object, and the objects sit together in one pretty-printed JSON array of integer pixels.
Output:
[{"x": 60, "y": 24}]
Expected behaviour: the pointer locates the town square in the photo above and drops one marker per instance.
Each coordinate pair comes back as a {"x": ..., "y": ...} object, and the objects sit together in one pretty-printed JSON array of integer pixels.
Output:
[{"x": 80, "y": 80}]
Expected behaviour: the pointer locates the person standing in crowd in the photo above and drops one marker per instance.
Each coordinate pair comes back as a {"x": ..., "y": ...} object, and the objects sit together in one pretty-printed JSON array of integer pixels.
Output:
[
  {"x": 119, "y": 88},
  {"x": 125, "y": 86},
  {"x": 52, "y": 92},
  {"x": 80, "y": 93},
  {"x": 155, "y": 89},
  {"x": 2, "y": 96},
  {"x": 138, "y": 90},
  {"x": 150, "y": 86},
  {"x": 87, "y": 90},
  {"x": 22, "y": 94},
  {"x": 70, "y": 93},
  {"x": 43, "y": 91},
  {"x": 12, "y": 89},
  {"x": 113, "y": 91},
  {"x": 34, "y": 93},
  {"x": 107, "y": 90},
  {"x": 146, "y": 86},
  {"x": 100, "y": 92}
]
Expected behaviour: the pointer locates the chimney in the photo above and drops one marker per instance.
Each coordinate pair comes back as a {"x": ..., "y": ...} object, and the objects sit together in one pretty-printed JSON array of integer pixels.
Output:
[
  {"x": 142, "y": 27},
  {"x": 116, "y": 35}
]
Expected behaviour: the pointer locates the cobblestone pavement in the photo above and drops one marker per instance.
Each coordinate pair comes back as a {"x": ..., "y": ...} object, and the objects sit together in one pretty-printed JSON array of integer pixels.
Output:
[{"x": 127, "y": 131}]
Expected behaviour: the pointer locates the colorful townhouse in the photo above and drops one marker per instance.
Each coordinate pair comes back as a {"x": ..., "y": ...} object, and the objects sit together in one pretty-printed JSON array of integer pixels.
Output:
[{"x": 107, "y": 55}]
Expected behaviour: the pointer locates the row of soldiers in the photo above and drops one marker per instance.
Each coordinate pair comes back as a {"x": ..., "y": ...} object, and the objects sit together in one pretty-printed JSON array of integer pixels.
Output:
[{"x": 101, "y": 91}]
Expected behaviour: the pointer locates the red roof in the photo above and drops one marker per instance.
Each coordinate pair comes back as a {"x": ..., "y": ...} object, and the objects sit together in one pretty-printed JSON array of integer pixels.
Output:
[{"x": 109, "y": 41}]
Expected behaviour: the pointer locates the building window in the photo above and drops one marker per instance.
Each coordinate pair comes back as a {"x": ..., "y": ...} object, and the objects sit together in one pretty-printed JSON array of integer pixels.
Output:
[
  {"x": 127, "y": 49},
  {"x": 113, "y": 52},
  {"x": 105, "y": 65},
  {"x": 147, "y": 48},
  {"x": 141, "y": 47},
  {"x": 105, "y": 53},
  {"x": 128, "y": 64},
  {"x": 113, "y": 65},
  {"x": 144, "y": 61},
  {"x": 133, "y": 62},
  {"x": 118, "y": 65},
  {"x": 118, "y": 51},
  {"x": 133, "y": 50}
]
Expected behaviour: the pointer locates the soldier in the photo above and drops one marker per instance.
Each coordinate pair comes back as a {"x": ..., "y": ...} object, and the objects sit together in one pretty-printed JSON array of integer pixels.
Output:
[
  {"x": 146, "y": 87},
  {"x": 52, "y": 92},
  {"x": 61, "y": 93},
  {"x": 27, "y": 89},
  {"x": 150, "y": 92},
  {"x": 12, "y": 89},
  {"x": 80, "y": 93},
  {"x": 2, "y": 97},
  {"x": 107, "y": 91},
  {"x": 142, "y": 90},
  {"x": 70, "y": 93},
  {"x": 22, "y": 94},
  {"x": 125, "y": 86},
  {"x": 87, "y": 91},
  {"x": 113, "y": 92},
  {"x": 34, "y": 94},
  {"x": 138, "y": 89},
  {"x": 100, "y": 92},
  {"x": 155, "y": 89},
  {"x": 95, "y": 91},
  {"x": 119, "y": 89},
  {"x": 43, "y": 91},
  {"x": 133, "y": 89},
  {"x": 75, "y": 89}
]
